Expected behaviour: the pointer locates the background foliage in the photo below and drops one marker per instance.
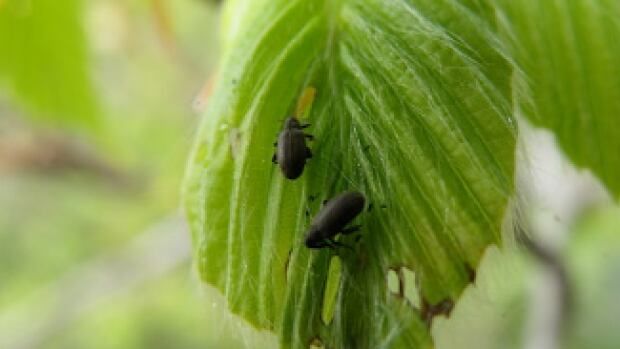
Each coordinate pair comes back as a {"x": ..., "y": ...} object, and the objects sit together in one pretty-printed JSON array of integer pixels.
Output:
[
  {"x": 44, "y": 61},
  {"x": 92, "y": 150},
  {"x": 569, "y": 81}
]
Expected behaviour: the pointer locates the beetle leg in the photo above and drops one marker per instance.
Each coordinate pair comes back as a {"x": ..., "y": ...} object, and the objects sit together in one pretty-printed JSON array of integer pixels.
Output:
[
  {"x": 308, "y": 153},
  {"x": 275, "y": 144},
  {"x": 304, "y": 125},
  {"x": 309, "y": 137},
  {"x": 372, "y": 205},
  {"x": 333, "y": 243},
  {"x": 351, "y": 229},
  {"x": 273, "y": 159},
  {"x": 325, "y": 202},
  {"x": 322, "y": 244}
]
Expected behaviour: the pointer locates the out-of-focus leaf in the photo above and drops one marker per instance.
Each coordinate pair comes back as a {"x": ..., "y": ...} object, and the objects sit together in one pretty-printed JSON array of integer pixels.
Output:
[
  {"x": 570, "y": 83},
  {"x": 593, "y": 261},
  {"x": 495, "y": 313},
  {"x": 44, "y": 63},
  {"x": 412, "y": 109},
  {"x": 491, "y": 313}
]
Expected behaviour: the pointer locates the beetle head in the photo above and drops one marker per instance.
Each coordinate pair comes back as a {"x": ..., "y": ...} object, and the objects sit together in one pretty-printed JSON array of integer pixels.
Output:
[
  {"x": 291, "y": 123},
  {"x": 314, "y": 238}
]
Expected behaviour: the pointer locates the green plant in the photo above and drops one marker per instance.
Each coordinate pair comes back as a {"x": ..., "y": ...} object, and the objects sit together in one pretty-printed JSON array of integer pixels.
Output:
[
  {"x": 415, "y": 104},
  {"x": 44, "y": 62}
]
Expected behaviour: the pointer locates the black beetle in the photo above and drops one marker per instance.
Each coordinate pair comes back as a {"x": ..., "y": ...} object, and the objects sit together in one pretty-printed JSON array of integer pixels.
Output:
[
  {"x": 333, "y": 219},
  {"x": 292, "y": 152}
]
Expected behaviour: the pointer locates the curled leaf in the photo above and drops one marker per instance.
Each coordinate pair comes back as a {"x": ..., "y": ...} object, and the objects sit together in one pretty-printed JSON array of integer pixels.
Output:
[{"x": 412, "y": 109}]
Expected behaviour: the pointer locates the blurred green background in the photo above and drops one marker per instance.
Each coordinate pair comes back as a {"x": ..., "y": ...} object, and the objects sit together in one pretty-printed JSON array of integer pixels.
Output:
[{"x": 97, "y": 114}]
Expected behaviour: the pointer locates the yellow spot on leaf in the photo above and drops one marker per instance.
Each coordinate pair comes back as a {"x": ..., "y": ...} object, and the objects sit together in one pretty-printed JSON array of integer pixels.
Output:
[{"x": 305, "y": 102}]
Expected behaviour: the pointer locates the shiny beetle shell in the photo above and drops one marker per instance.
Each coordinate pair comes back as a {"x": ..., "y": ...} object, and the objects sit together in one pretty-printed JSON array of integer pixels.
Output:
[
  {"x": 333, "y": 218},
  {"x": 292, "y": 151}
]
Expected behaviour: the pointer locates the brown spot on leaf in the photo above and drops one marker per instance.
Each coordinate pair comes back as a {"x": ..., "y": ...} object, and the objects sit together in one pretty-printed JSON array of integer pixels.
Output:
[
  {"x": 401, "y": 282},
  {"x": 471, "y": 273},
  {"x": 234, "y": 140},
  {"x": 429, "y": 311},
  {"x": 288, "y": 260}
]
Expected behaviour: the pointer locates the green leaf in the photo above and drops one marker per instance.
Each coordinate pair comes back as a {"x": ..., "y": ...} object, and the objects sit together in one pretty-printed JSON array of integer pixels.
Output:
[
  {"x": 570, "y": 83},
  {"x": 44, "y": 62},
  {"x": 593, "y": 260},
  {"x": 412, "y": 109}
]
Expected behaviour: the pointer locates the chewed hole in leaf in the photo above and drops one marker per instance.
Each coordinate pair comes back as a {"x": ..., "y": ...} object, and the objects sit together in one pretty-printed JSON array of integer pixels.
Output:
[
  {"x": 401, "y": 282},
  {"x": 331, "y": 289},
  {"x": 394, "y": 283},
  {"x": 412, "y": 293}
]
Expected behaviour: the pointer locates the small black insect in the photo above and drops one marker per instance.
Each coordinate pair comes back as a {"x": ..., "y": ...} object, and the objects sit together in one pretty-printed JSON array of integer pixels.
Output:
[
  {"x": 292, "y": 152},
  {"x": 333, "y": 219}
]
